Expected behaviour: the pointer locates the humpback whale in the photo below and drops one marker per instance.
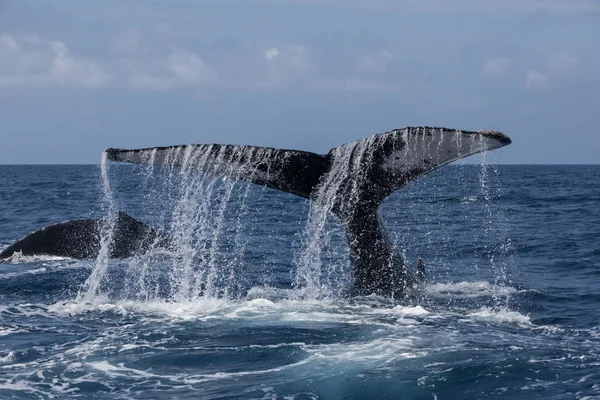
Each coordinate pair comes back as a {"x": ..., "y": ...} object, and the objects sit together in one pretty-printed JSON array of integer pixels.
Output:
[
  {"x": 350, "y": 180},
  {"x": 81, "y": 239}
]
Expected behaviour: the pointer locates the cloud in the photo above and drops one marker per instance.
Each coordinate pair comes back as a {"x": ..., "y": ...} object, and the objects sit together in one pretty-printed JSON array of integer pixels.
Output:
[
  {"x": 535, "y": 79},
  {"x": 179, "y": 68},
  {"x": 500, "y": 7},
  {"x": 271, "y": 53},
  {"x": 8, "y": 44},
  {"x": 378, "y": 63},
  {"x": 559, "y": 66},
  {"x": 287, "y": 64},
  {"x": 365, "y": 85},
  {"x": 497, "y": 66},
  {"x": 562, "y": 65},
  {"x": 128, "y": 42},
  {"x": 512, "y": 7},
  {"x": 190, "y": 68},
  {"x": 30, "y": 62},
  {"x": 149, "y": 67}
]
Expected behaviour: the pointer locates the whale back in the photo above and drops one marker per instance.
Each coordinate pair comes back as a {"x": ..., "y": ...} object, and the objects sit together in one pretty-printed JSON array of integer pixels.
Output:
[{"x": 80, "y": 239}]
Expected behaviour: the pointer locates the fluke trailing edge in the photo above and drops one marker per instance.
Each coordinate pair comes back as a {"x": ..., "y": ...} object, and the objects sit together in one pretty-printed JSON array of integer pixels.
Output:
[
  {"x": 81, "y": 239},
  {"x": 351, "y": 180}
]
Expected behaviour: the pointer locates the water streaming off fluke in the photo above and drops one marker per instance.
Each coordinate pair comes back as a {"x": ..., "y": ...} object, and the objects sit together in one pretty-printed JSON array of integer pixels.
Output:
[{"x": 199, "y": 194}]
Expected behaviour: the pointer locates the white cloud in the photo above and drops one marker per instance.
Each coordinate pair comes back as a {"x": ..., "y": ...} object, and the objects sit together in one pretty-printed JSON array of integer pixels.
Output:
[
  {"x": 8, "y": 44},
  {"x": 271, "y": 53},
  {"x": 128, "y": 42},
  {"x": 179, "y": 68},
  {"x": 511, "y": 7},
  {"x": 497, "y": 66},
  {"x": 31, "y": 62},
  {"x": 31, "y": 39},
  {"x": 376, "y": 63},
  {"x": 362, "y": 85},
  {"x": 562, "y": 65},
  {"x": 190, "y": 68},
  {"x": 535, "y": 79},
  {"x": 143, "y": 80},
  {"x": 286, "y": 64},
  {"x": 559, "y": 66}
]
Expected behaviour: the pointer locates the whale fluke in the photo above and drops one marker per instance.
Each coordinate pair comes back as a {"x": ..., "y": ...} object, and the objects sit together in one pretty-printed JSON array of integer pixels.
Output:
[
  {"x": 80, "y": 239},
  {"x": 352, "y": 179},
  {"x": 291, "y": 171}
]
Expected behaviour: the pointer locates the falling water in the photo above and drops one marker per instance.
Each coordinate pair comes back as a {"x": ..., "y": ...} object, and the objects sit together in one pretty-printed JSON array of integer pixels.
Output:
[
  {"x": 340, "y": 183},
  {"x": 203, "y": 215},
  {"x": 494, "y": 228},
  {"x": 91, "y": 286},
  {"x": 197, "y": 220}
]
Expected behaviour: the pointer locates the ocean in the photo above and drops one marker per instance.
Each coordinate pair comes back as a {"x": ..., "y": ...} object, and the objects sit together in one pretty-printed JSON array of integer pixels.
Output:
[{"x": 247, "y": 308}]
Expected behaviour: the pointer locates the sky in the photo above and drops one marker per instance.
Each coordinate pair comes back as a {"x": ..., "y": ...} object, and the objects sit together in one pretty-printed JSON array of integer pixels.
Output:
[{"x": 79, "y": 76}]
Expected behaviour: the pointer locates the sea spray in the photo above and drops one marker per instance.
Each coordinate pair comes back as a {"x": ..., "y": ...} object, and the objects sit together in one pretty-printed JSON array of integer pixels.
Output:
[
  {"x": 195, "y": 207},
  {"x": 500, "y": 251},
  {"x": 234, "y": 269},
  {"x": 338, "y": 192},
  {"x": 91, "y": 286},
  {"x": 190, "y": 223},
  {"x": 216, "y": 267},
  {"x": 202, "y": 214}
]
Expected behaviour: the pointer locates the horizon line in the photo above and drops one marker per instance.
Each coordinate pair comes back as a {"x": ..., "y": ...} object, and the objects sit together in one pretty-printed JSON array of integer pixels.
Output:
[{"x": 455, "y": 164}]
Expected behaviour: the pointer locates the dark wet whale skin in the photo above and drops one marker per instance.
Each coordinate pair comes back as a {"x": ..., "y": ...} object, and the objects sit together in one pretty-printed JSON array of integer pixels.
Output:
[{"x": 80, "y": 239}]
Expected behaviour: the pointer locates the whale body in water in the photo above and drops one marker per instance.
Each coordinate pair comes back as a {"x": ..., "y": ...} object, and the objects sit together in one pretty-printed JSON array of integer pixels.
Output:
[
  {"x": 350, "y": 180},
  {"x": 80, "y": 239}
]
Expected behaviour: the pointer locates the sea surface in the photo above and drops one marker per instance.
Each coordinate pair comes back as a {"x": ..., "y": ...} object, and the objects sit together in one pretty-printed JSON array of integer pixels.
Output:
[{"x": 254, "y": 303}]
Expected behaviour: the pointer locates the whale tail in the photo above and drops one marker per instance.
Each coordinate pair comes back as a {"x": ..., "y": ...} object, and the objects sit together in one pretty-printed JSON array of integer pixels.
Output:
[{"x": 352, "y": 180}]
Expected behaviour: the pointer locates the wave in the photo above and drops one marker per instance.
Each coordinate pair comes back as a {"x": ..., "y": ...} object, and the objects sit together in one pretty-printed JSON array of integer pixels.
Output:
[
  {"x": 501, "y": 317},
  {"x": 19, "y": 258},
  {"x": 468, "y": 290},
  {"x": 273, "y": 305}
]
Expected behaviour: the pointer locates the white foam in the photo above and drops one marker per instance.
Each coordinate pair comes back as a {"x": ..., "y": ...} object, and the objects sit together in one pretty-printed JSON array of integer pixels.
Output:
[
  {"x": 254, "y": 310},
  {"x": 120, "y": 370},
  {"x": 410, "y": 310},
  {"x": 25, "y": 309},
  {"x": 538, "y": 384},
  {"x": 503, "y": 317},
  {"x": 24, "y": 386},
  {"x": 11, "y": 275},
  {"x": 180, "y": 310},
  {"x": 48, "y": 266},
  {"x": 379, "y": 351},
  {"x": 268, "y": 292},
  {"x": 18, "y": 258},
  {"x": 468, "y": 199},
  {"x": 10, "y": 330},
  {"x": 468, "y": 290},
  {"x": 585, "y": 378},
  {"x": 229, "y": 375},
  {"x": 10, "y": 357},
  {"x": 389, "y": 334}
]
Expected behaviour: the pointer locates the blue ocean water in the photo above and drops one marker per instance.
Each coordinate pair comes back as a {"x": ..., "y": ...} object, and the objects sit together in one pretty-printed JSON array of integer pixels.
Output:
[{"x": 511, "y": 308}]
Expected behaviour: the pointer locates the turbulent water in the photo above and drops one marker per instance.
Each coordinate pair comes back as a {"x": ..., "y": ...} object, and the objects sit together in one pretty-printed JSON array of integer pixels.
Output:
[{"x": 252, "y": 301}]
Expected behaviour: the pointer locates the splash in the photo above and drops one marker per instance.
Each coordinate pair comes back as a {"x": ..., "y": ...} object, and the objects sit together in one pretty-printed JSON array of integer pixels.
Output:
[
  {"x": 499, "y": 251},
  {"x": 341, "y": 183},
  {"x": 200, "y": 212},
  {"x": 91, "y": 286},
  {"x": 198, "y": 196}
]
